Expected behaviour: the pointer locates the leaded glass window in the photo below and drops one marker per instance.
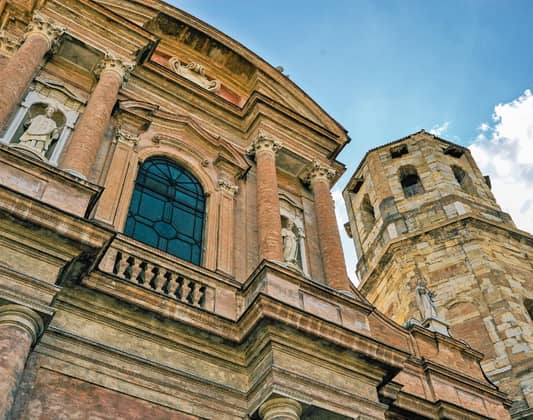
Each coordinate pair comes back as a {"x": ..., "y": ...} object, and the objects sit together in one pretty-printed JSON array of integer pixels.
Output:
[{"x": 167, "y": 210}]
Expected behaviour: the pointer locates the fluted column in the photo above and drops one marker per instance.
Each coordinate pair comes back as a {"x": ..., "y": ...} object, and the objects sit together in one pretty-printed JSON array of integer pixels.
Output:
[
  {"x": 20, "y": 327},
  {"x": 280, "y": 409},
  {"x": 41, "y": 35},
  {"x": 328, "y": 231},
  {"x": 90, "y": 130},
  {"x": 268, "y": 216}
]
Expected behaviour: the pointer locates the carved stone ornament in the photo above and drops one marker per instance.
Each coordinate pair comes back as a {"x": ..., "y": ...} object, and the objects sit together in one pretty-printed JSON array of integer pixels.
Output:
[
  {"x": 42, "y": 26},
  {"x": 263, "y": 143},
  {"x": 226, "y": 186},
  {"x": 195, "y": 73},
  {"x": 122, "y": 68},
  {"x": 8, "y": 43},
  {"x": 125, "y": 137},
  {"x": 320, "y": 171}
]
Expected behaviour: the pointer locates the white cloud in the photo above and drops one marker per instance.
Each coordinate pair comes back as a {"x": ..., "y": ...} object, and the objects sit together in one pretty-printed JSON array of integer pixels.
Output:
[
  {"x": 484, "y": 127},
  {"x": 440, "y": 129},
  {"x": 347, "y": 242},
  {"x": 504, "y": 150}
]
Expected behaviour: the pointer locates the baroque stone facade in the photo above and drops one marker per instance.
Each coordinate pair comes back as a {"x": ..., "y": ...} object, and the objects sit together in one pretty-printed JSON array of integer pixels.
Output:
[
  {"x": 146, "y": 267},
  {"x": 420, "y": 210}
]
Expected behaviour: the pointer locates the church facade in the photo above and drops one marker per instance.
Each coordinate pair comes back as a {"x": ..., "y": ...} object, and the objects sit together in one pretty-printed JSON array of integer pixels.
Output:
[{"x": 168, "y": 242}]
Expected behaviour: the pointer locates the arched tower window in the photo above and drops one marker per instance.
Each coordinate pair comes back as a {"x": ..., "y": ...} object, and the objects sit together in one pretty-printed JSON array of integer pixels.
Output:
[
  {"x": 411, "y": 183},
  {"x": 463, "y": 179},
  {"x": 368, "y": 216},
  {"x": 167, "y": 210}
]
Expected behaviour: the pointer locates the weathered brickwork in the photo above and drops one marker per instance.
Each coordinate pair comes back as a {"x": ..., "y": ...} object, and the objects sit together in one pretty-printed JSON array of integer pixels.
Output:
[
  {"x": 169, "y": 247},
  {"x": 455, "y": 237}
]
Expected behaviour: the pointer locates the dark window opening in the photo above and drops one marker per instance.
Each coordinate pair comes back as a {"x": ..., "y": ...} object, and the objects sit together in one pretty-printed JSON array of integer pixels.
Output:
[
  {"x": 464, "y": 180},
  {"x": 357, "y": 185},
  {"x": 411, "y": 183},
  {"x": 167, "y": 210},
  {"x": 528, "y": 303},
  {"x": 368, "y": 217},
  {"x": 454, "y": 151},
  {"x": 398, "y": 151}
]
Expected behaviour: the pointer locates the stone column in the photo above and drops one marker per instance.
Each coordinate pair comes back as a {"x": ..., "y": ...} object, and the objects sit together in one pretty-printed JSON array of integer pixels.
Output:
[
  {"x": 90, "y": 130},
  {"x": 226, "y": 231},
  {"x": 280, "y": 409},
  {"x": 268, "y": 216},
  {"x": 41, "y": 35},
  {"x": 328, "y": 231},
  {"x": 20, "y": 327}
]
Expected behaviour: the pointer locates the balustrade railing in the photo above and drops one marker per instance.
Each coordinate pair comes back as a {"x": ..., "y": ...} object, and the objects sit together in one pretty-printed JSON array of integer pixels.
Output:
[{"x": 149, "y": 274}]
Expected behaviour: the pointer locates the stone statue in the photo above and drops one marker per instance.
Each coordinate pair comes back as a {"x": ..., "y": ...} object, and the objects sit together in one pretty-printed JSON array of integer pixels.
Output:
[
  {"x": 424, "y": 300},
  {"x": 290, "y": 243},
  {"x": 41, "y": 132}
]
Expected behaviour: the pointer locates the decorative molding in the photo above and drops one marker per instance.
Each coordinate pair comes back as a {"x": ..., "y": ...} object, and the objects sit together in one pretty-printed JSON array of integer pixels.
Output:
[
  {"x": 46, "y": 28},
  {"x": 195, "y": 73},
  {"x": 227, "y": 187},
  {"x": 8, "y": 43},
  {"x": 121, "y": 67},
  {"x": 125, "y": 137}
]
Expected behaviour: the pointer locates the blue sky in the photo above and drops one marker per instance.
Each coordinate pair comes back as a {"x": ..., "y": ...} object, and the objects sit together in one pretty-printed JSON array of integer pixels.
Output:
[{"x": 387, "y": 68}]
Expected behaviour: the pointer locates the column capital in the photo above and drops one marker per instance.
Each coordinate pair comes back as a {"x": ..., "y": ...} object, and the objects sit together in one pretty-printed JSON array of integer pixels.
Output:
[
  {"x": 45, "y": 28},
  {"x": 263, "y": 143},
  {"x": 120, "y": 67},
  {"x": 125, "y": 137},
  {"x": 280, "y": 408},
  {"x": 23, "y": 318},
  {"x": 227, "y": 187},
  {"x": 320, "y": 172}
]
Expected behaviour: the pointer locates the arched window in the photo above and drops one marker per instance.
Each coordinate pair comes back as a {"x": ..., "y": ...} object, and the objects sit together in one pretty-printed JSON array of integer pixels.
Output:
[
  {"x": 410, "y": 181},
  {"x": 167, "y": 209},
  {"x": 368, "y": 216},
  {"x": 463, "y": 179}
]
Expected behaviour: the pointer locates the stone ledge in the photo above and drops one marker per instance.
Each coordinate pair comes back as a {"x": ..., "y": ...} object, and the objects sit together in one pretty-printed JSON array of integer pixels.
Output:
[{"x": 47, "y": 183}]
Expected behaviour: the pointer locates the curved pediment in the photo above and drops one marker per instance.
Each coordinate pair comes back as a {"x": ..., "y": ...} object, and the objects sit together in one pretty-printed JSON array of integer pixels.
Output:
[{"x": 197, "y": 52}]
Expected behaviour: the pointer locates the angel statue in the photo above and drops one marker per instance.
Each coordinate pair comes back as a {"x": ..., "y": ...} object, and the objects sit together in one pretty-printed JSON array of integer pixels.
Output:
[{"x": 41, "y": 132}]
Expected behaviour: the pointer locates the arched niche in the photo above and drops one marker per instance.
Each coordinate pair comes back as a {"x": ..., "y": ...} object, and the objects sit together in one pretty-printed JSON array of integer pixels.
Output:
[
  {"x": 292, "y": 221},
  {"x": 44, "y": 94}
]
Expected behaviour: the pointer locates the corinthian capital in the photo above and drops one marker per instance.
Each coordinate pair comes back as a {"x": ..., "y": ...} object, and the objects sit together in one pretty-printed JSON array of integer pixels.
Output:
[
  {"x": 46, "y": 28},
  {"x": 264, "y": 143},
  {"x": 120, "y": 67},
  {"x": 320, "y": 172}
]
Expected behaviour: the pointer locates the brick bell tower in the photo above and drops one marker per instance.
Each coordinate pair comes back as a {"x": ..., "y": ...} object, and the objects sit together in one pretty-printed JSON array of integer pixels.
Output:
[{"x": 420, "y": 210}]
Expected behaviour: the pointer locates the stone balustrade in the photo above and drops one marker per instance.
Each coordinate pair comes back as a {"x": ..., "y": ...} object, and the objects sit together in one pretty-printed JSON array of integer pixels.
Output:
[
  {"x": 160, "y": 275},
  {"x": 159, "y": 279}
]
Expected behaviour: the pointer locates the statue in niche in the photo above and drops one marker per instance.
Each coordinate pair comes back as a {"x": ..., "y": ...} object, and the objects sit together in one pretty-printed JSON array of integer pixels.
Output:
[
  {"x": 424, "y": 300},
  {"x": 290, "y": 243},
  {"x": 41, "y": 131}
]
